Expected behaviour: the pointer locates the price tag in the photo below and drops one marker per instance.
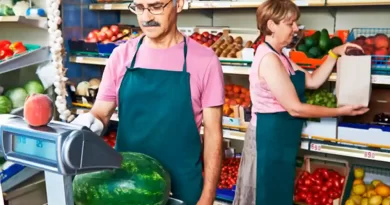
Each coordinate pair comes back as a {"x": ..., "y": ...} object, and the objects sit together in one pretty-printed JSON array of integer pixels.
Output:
[
  {"x": 301, "y": 2},
  {"x": 107, "y": 6},
  {"x": 79, "y": 59},
  {"x": 315, "y": 147},
  {"x": 369, "y": 155},
  {"x": 226, "y": 134}
]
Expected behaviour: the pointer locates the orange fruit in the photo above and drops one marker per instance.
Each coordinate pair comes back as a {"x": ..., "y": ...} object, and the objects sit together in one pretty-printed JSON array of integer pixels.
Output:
[
  {"x": 382, "y": 190},
  {"x": 358, "y": 181},
  {"x": 228, "y": 87},
  {"x": 236, "y": 89}
]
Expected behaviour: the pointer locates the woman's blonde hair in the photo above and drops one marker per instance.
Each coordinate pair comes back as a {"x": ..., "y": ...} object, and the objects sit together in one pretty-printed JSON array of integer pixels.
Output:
[{"x": 277, "y": 11}]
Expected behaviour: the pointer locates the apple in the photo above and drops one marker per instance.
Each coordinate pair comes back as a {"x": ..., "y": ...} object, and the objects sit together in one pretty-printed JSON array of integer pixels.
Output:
[
  {"x": 113, "y": 38},
  {"x": 114, "y": 29},
  {"x": 109, "y": 34},
  {"x": 199, "y": 37},
  {"x": 204, "y": 39},
  {"x": 92, "y": 35},
  {"x": 102, "y": 36},
  {"x": 92, "y": 40},
  {"x": 95, "y": 31},
  {"x": 104, "y": 29},
  {"x": 210, "y": 42},
  {"x": 219, "y": 34},
  {"x": 106, "y": 41},
  {"x": 210, "y": 36},
  {"x": 205, "y": 34},
  {"x": 215, "y": 38},
  {"x": 120, "y": 35}
]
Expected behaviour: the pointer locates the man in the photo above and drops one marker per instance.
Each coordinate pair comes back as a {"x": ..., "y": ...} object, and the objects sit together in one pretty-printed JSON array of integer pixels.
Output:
[{"x": 164, "y": 85}]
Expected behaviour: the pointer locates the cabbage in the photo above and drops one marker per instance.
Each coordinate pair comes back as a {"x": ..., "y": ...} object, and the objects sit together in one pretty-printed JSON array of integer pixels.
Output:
[
  {"x": 17, "y": 97},
  {"x": 34, "y": 87},
  {"x": 5, "y": 105}
]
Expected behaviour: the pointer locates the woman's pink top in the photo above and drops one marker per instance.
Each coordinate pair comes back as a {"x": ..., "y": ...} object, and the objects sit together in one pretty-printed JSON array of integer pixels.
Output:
[{"x": 263, "y": 101}]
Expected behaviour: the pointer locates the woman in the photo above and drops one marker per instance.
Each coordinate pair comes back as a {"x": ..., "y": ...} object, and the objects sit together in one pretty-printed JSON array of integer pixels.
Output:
[{"x": 277, "y": 86}]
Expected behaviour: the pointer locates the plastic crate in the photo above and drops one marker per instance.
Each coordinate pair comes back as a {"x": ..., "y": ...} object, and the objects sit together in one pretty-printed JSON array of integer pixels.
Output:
[
  {"x": 380, "y": 63},
  {"x": 371, "y": 173}
]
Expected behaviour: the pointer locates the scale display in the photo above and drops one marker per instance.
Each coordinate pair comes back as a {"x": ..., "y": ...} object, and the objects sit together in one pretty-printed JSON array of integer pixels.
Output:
[{"x": 34, "y": 147}]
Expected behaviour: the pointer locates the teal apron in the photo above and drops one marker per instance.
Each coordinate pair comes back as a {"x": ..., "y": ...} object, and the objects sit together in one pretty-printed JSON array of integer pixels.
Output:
[
  {"x": 156, "y": 118},
  {"x": 278, "y": 136}
]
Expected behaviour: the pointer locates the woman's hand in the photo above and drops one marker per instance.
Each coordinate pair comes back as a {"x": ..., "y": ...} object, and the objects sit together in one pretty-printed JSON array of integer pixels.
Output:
[
  {"x": 352, "y": 110},
  {"x": 340, "y": 50}
]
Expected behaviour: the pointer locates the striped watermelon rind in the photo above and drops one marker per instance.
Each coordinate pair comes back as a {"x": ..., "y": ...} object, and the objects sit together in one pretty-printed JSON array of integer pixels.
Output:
[{"x": 141, "y": 180}]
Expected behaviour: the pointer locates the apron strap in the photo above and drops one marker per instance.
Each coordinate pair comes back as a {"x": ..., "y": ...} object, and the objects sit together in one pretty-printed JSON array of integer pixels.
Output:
[
  {"x": 136, "y": 52},
  {"x": 185, "y": 55},
  {"x": 290, "y": 69}
]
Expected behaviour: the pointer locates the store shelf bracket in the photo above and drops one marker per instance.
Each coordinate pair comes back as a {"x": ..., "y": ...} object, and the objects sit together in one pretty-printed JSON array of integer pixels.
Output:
[{"x": 32, "y": 58}]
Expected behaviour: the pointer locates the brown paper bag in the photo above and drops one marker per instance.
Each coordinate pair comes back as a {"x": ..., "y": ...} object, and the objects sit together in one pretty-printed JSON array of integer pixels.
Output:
[{"x": 353, "y": 84}]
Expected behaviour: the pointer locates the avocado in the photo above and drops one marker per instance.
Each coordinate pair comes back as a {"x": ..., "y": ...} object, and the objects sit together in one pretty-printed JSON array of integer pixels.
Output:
[
  {"x": 324, "y": 43},
  {"x": 314, "y": 52},
  {"x": 316, "y": 36},
  {"x": 336, "y": 41},
  {"x": 310, "y": 42},
  {"x": 302, "y": 47}
]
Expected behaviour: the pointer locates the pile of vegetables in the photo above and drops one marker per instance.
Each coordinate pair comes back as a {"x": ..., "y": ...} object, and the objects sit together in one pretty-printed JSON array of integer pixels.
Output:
[
  {"x": 15, "y": 97},
  {"x": 321, "y": 97}
]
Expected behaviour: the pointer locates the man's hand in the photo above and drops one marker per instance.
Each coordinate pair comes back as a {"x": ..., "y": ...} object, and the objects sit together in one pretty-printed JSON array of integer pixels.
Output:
[{"x": 212, "y": 118}]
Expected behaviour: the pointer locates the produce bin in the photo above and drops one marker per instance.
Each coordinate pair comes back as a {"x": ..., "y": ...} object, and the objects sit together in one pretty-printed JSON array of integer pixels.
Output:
[
  {"x": 99, "y": 49},
  {"x": 304, "y": 61},
  {"x": 315, "y": 165},
  {"x": 380, "y": 57},
  {"x": 368, "y": 134},
  {"x": 371, "y": 173}
]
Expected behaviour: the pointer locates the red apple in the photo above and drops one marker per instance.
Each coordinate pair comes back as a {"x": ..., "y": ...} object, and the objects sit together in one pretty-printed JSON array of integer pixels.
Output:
[
  {"x": 205, "y": 34},
  {"x": 95, "y": 31},
  {"x": 204, "y": 39},
  {"x": 92, "y": 40},
  {"x": 92, "y": 35},
  {"x": 199, "y": 37},
  {"x": 114, "y": 29},
  {"x": 120, "y": 35},
  {"x": 210, "y": 42},
  {"x": 215, "y": 38},
  {"x": 113, "y": 39},
  {"x": 210, "y": 36},
  {"x": 109, "y": 34},
  {"x": 104, "y": 29},
  {"x": 106, "y": 41},
  {"x": 219, "y": 34},
  {"x": 102, "y": 36}
]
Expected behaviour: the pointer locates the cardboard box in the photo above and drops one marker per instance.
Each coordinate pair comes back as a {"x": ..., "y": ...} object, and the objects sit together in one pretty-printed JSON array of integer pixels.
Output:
[{"x": 353, "y": 84}]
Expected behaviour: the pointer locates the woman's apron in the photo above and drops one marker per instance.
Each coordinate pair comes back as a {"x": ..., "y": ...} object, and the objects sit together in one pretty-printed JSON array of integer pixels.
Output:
[{"x": 267, "y": 168}]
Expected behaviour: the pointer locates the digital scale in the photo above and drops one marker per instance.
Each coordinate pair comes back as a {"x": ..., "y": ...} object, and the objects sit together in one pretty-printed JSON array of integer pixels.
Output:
[{"x": 61, "y": 150}]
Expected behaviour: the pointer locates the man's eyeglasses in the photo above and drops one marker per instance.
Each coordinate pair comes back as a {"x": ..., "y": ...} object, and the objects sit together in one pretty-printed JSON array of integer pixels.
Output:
[{"x": 155, "y": 9}]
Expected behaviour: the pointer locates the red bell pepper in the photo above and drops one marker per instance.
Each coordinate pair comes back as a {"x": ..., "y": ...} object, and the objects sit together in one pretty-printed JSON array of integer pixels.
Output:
[
  {"x": 18, "y": 47},
  {"x": 5, "y": 53},
  {"x": 5, "y": 43}
]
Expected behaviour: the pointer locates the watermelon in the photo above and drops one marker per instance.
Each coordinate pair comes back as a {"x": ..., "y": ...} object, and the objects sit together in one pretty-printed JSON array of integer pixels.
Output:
[{"x": 141, "y": 180}]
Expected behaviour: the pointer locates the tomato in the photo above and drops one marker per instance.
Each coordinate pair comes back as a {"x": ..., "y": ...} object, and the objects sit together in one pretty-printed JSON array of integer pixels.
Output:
[
  {"x": 302, "y": 196},
  {"x": 336, "y": 184},
  {"x": 316, "y": 188},
  {"x": 307, "y": 182},
  {"x": 324, "y": 188},
  {"x": 342, "y": 180},
  {"x": 301, "y": 181},
  {"x": 333, "y": 195},
  {"x": 112, "y": 135},
  {"x": 303, "y": 188},
  {"x": 328, "y": 184}
]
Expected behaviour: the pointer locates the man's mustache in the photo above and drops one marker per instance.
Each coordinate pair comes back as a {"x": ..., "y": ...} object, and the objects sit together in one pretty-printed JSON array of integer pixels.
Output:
[{"x": 150, "y": 24}]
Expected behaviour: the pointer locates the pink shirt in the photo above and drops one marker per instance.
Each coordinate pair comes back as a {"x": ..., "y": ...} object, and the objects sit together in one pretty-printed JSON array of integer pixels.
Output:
[
  {"x": 262, "y": 98},
  {"x": 206, "y": 76}
]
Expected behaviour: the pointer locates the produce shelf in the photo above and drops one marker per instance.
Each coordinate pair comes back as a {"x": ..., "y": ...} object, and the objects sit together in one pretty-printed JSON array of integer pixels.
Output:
[
  {"x": 336, "y": 147},
  {"x": 24, "y": 60},
  {"x": 207, "y": 4},
  {"x": 39, "y": 22},
  {"x": 357, "y": 2},
  {"x": 88, "y": 60}
]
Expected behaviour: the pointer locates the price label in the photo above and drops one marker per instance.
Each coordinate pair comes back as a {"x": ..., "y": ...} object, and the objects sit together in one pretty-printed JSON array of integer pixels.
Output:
[
  {"x": 301, "y": 2},
  {"x": 315, "y": 147},
  {"x": 226, "y": 134},
  {"x": 107, "y": 6},
  {"x": 369, "y": 155},
  {"x": 79, "y": 59}
]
